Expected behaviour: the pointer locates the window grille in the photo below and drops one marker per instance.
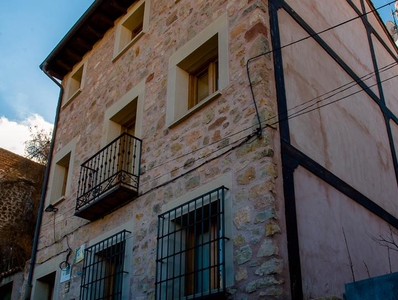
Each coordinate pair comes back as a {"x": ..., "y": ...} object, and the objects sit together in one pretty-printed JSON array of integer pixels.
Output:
[
  {"x": 103, "y": 271},
  {"x": 190, "y": 257}
]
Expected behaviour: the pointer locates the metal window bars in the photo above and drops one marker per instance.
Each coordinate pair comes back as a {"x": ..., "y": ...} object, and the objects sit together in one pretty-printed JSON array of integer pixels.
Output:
[
  {"x": 190, "y": 257},
  {"x": 102, "y": 276}
]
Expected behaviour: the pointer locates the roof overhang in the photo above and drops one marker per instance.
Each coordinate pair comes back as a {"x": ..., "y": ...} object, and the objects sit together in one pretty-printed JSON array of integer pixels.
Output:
[{"x": 88, "y": 30}]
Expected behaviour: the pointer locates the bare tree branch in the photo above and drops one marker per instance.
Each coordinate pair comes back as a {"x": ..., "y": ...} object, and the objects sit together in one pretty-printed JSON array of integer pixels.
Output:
[
  {"x": 38, "y": 147},
  {"x": 387, "y": 240},
  {"x": 349, "y": 256},
  {"x": 367, "y": 269}
]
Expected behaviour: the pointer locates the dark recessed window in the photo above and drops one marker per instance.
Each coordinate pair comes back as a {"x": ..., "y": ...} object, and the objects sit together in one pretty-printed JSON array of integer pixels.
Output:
[
  {"x": 103, "y": 269},
  {"x": 203, "y": 82},
  {"x": 191, "y": 249}
]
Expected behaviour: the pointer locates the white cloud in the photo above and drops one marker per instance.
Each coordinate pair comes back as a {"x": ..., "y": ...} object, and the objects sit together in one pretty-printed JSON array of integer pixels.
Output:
[
  {"x": 20, "y": 105},
  {"x": 14, "y": 134}
]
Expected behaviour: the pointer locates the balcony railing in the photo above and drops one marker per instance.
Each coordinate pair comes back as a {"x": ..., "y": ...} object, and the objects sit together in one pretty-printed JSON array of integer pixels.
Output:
[{"x": 110, "y": 178}]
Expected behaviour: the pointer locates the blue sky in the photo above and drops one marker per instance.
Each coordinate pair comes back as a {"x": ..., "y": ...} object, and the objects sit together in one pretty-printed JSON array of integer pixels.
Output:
[
  {"x": 29, "y": 31},
  {"x": 385, "y": 12}
]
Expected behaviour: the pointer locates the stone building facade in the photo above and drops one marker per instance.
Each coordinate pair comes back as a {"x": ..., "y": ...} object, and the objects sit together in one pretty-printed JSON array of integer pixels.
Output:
[
  {"x": 178, "y": 170},
  {"x": 20, "y": 186}
]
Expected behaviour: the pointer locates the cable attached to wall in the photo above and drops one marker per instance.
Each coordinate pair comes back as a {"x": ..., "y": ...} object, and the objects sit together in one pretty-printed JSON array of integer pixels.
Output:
[
  {"x": 300, "y": 112},
  {"x": 65, "y": 265},
  {"x": 258, "y": 131}
]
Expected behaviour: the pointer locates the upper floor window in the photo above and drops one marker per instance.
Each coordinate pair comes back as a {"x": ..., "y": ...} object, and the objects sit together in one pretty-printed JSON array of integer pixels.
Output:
[
  {"x": 198, "y": 72},
  {"x": 61, "y": 173},
  {"x": 125, "y": 115},
  {"x": 63, "y": 165},
  {"x": 131, "y": 27},
  {"x": 60, "y": 180},
  {"x": 203, "y": 81},
  {"x": 75, "y": 83}
]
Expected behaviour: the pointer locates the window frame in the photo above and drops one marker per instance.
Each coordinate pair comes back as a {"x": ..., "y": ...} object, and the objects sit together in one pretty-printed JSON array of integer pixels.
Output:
[
  {"x": 183, "y": 240},
  {"x": 199, "y": 241},
  {"x": 64, "y": 164},
  {"x": 210, "y": 68},
  {"x": 112, "y": 125},
  {"x": 73, "y": 86},
  {"x": 122, "y": 39},
  {"x": 60, "y": 179},
  {"x": 223, "y": 182},
  {"x": 100, "y": 253},
  {"x": 116, "y": 118},
  {"x": 210, "y": 42},
  {"x": 43, "y": 271}
]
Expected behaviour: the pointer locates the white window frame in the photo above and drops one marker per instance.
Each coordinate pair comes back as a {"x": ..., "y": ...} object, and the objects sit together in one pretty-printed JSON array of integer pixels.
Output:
[
  {"x": 178, "y": 76},
  {"x": 123, "y": 41}
]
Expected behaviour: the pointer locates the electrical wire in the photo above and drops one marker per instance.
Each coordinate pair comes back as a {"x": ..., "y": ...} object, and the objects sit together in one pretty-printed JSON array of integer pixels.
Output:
[
  {"x": 241, "y": 140},
  {"x": 345, "y": 87},
  {"x": 65, "y": 265},
  {"x": 294, "y": 115},
  {"x": 336, "y": 91},
  {"x": 269, "y": 52},
  {"x": 55, "y": 240},
  {"x": 245, "y": 139},
  {"x": 318, "y": 33},
  {"x": 251, "y": 86},
  {"x": 318, "y": 100},
  {"x": 298, "y": 41},
  {"x": 301, "y": 112}
]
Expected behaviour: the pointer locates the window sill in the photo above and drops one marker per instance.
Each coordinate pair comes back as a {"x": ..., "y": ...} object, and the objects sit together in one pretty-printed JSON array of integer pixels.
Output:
[
  {"x": 58, "y": 201},
  {"x": 75, "y": 94},
  {"x": 202, "y": 103},
  {"x": 213, "y": 294},
  {"x": 132, "y": 42}
]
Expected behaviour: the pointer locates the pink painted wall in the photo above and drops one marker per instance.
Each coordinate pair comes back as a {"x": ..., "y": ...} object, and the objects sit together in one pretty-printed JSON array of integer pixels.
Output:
[
  {"x": 343, "y": 130},
  {"x": 323, "y": 214}
]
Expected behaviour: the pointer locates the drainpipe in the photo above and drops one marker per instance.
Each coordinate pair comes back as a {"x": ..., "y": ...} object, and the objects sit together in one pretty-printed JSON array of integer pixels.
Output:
[{"x": 28, "y": 288}]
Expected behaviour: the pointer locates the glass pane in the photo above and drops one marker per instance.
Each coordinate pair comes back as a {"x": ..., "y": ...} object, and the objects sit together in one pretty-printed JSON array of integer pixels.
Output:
[
  {"x": 202, "y": 263},
  {"x": 103, "y": 269},
  {"x": 190, "y": 254},
  {"x": 203, "y": 85}
]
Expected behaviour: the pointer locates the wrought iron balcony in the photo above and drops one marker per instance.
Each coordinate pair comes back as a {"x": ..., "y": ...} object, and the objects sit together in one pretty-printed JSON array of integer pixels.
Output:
[{"x": 110, "y": 178}]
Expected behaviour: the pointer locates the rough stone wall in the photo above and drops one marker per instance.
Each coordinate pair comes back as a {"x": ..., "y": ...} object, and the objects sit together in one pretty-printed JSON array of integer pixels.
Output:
[
  {"x": 14, "y": 197},
  {"x": 20, "y": 187},
  {"x": 178, "y": 160}
]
